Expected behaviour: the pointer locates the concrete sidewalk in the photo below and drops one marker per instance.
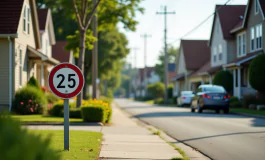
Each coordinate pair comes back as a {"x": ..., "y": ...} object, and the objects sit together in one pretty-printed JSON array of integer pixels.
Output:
[{"x": 124, "y": 139}]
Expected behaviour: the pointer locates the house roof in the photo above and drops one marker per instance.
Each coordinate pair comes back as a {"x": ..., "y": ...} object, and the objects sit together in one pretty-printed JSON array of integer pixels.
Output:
[
  {"x": 59, "y": 53},
  {"x": 262, "y": 5},
  {"x": 229, "y": 16},
  {"x": 171, "y": 75},
  {"x": 214, "y": 69},
  {"x": 196, "y": 53},
  {"x": 240, "y": 60},
  {"x": 203, "y": 69},
  {"x": 171, "y": 67},
  {"x": 149, "y": 70},
  {"x": 10, "y": 11},
  {"x": 42, "y": 16}
]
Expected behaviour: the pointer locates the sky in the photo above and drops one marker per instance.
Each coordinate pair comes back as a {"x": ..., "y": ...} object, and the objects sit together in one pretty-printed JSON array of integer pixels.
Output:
[{"x": 188, "y": 14}]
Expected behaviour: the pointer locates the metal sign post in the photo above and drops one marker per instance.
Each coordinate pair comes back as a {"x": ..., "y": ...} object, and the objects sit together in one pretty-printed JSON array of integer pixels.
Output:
[
  {"x": 66, "y": 124},
  {"x": 66, "y": 81}
]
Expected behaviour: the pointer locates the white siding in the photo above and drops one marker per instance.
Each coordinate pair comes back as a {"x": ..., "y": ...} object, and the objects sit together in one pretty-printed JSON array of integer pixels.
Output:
[{"x": 46, "y": 45}]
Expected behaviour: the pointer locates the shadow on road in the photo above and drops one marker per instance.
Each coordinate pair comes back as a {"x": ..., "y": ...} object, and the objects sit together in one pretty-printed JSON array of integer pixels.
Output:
[{"x": 220, "y": 135}]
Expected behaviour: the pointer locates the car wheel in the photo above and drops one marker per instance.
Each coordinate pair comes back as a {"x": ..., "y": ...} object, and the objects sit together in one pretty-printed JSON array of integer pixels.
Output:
[
  {"x": 192, "y": 109},
  {"x": 226, "y": 111},
  {"x": 217, "y": 111}
]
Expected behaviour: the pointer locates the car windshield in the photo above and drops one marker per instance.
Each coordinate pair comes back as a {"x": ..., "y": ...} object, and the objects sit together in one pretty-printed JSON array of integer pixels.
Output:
[
  {"x": 186, "y": 93},
  {"x": 213, "y": 89}
]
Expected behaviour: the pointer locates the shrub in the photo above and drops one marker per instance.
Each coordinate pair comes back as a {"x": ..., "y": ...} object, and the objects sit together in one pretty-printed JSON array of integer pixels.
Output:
[
  {"x": 159, "y": 101},
  {"x": 52, "y": 98},
  {"x": 175, "y": 100},
  {"x": 17, "y": 143},
  {"x": 29, "y": 100},
  {"x": 250, "y": 99},
  {"x": 73, "y": 113},
  {"x": 257, "y": 73},
  {"x": 261, "y": 97},
  {"x": 106, "y": 99},
  {"x": 57, "y": 110},
  {"x": 236, "y": 104},
  {"x": 156, "y": 90},
  {"x": 234, "y": 99},
  {"x": 93, "y": 114},
  {"x": 225, "y": 79},
  {"x": 170, "y": 91},
  {"x": 33, "y": 82}
]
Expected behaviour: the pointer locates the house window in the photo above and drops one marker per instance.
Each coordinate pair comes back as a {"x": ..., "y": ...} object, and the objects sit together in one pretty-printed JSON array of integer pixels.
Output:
[
  {"x": 241, "y": 45},
  {"x": 220, "y": 52},
  {"x": 252, "y": 38},
  {"x": 258, "y": 36},
  {"x": 20, "y": 67},
  {"x": 256, "y": 6},
  {"x": 26, "y": 19},
  {"x": 214, "y": 54}
]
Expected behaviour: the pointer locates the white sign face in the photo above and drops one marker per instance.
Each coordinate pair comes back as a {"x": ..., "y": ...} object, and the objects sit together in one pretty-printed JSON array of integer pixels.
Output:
[{"x": 65, "y": 80}]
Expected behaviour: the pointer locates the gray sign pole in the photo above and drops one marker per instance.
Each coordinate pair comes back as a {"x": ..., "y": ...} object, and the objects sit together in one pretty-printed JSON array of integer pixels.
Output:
[{"x": 66, "y": 124}]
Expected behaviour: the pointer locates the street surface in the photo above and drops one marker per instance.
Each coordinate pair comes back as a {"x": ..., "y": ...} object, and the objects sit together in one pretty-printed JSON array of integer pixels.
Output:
[{"x": 219, "y": 136}]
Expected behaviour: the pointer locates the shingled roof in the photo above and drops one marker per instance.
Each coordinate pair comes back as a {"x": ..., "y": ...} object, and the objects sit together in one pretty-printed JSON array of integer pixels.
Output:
[
  {"x": 10, "y": 11},
  {"x": 42, "y": 16},
  {"x": 59, "y": 53},
  {"x": 196, "y": 53}
]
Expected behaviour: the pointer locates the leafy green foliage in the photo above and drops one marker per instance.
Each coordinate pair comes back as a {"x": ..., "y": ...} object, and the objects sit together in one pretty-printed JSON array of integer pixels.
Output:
[
  {"x": 57, "y": 110},
  {"x": 93, "y": 114},
  {"x": 250, "y": 99},
  {"x": 170, "y": 91},
  {"x": 159, "y": 67},
  {"x": 52, "y": 98},
  {"x": 33, "y": 82},
  {"x": 156, "y": 90},
  {"x": 257, "y": 73},
  {"x": 159, "y": 101},
  {"x": 75, "y": 113},
  {"x": 225, "y": 79},
  {"x": 17, "y": 143},
  {"x": 29, "y": 100},
  {"x": 236, "y": 104}
]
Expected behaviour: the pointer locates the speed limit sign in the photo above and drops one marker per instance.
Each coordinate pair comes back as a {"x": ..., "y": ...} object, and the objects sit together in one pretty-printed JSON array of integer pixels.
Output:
[{"x": 66, "y": 80}]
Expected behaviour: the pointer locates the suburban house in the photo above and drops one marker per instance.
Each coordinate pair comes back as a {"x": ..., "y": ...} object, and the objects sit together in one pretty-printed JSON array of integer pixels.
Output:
[
  {"x": 21, "y": 47},
  {"x": 193, "y": 54},
  {"x": 62, "y": 55},
  {"x": 250, "y": 42},
  {"x": 151, "y": 76},
  {"x": 222, "y": 43}
]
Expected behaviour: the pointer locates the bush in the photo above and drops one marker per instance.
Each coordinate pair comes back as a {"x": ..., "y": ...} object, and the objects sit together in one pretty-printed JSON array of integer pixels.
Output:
[
  {"x": 170, "y": 91},
  {"x": 234, "y": 99},
  {"x": 33, "y": 82},
  {"x": 175, "y": 100},
  {"x": 106, "y": 99},
  {"x": 236, "y": 104},
  {"x": 17, "y": 143},
  {"x": 73, "y": 113},
  {"x": 250, "y": 99},
  {"x": 57, "y": 110},
  {"x": 159, "y": 101},
  {"x": 156, "y": 90},
  {"x": 257, "y": 73},
  {"x": 93, "y": 114},
  {"x": 29, "y": 100},
  {"x": 52, "y": 98},
  {"x": 225, "y": 79}
]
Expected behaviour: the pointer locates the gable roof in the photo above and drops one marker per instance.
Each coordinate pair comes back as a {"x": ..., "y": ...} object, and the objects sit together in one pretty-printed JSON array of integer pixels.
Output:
[
  {"x": 229, "y": 16},
  {"x": 10, "y": 11},
  {"x": 42, "y": 16},
  {"x": 196, "y": 53},
  {"x": 203, "y": 69},
  {"x": 59, "y": 53},
  {"x": 262, "y": 6},
  {"x": 149, "y": 70}
]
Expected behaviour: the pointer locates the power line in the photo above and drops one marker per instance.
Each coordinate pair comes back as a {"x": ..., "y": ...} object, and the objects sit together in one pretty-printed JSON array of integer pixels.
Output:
[{"x": 200, "y": 24}]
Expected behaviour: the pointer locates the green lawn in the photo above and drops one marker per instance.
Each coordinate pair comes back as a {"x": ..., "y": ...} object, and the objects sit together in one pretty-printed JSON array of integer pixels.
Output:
[
  {"x": 150, "y": 101},
  {"x": 84, "y": 145},
  {"x": 41, "y": 118},
  {"x": 248, "y": 111}
]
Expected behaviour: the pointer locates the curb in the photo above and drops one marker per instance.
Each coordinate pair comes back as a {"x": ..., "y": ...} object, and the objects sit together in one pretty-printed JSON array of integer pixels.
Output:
[
  {"x": 196, "y": 155},
  {"x": 61, "y": 123}
]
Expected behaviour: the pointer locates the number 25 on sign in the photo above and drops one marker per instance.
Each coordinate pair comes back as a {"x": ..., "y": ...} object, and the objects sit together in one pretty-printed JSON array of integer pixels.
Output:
[{"x": 66, "y": 81}]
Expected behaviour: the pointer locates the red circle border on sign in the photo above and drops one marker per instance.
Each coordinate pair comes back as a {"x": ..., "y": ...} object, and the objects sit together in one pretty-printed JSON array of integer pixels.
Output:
[{"x": 79, "y": 74}]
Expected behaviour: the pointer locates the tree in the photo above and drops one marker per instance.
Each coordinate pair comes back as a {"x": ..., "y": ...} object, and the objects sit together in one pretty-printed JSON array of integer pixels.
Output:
[
  {"x": 225, "y": 79},
  {"x": 159, "y": 67},
  {"x": 257, "y": 73}
]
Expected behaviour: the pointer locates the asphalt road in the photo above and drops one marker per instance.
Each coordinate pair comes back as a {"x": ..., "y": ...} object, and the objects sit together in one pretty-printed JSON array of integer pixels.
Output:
[{"x": 219, "y": 136}]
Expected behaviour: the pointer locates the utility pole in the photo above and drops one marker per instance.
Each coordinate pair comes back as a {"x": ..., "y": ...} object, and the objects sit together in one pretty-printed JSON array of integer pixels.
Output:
[
  {"x": 165, "y": 13},
  {"x": 95, "y": 56},
  {"x": 135, "y": 69},
  {"x": 145, "y": 36}
]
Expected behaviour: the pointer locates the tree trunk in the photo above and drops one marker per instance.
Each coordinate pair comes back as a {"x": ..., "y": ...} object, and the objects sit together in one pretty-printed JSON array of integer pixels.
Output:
[{"x": 81, "y": 60}]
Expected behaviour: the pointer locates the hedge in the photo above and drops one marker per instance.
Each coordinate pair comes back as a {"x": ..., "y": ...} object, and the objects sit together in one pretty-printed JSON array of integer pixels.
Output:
[{"x": 93, "y": 114}]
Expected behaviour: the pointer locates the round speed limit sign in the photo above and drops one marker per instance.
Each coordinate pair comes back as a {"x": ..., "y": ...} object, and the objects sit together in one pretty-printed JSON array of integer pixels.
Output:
[{"x": 66, "y": 80}]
